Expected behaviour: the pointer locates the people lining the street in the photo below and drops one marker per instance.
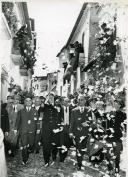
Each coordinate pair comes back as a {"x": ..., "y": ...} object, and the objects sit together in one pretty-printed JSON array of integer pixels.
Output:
[{"x": 90, "y": 126}]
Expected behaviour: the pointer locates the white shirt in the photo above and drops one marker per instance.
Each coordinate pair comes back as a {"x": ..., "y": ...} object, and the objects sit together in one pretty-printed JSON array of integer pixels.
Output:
[
  {"x": 66, "y": 116},
  {"x": 15, "y": 108},
  {"x": 81, "y": 109},
  {"x": 37, "y": 108},
  {"x": 58, "y": 108},
  {"x": 28, "y": 108}
]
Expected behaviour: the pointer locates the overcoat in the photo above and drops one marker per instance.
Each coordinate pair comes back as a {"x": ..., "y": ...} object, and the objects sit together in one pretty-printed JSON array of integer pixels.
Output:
[
  {"x": 26, "y": 122},
  {"x": 77, "y": 120},
  {"x": 49, "y": 123}
]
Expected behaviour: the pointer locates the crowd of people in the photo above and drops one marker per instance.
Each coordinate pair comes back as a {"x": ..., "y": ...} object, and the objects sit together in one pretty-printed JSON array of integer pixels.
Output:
[{"x": 55, "y": 124}]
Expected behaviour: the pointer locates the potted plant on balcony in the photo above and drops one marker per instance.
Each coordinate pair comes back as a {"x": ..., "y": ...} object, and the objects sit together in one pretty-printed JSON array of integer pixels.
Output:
[{"x": 10, "y": 15}]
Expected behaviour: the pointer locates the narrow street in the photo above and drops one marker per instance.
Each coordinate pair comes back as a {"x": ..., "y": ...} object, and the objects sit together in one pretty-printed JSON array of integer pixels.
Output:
[
  {"x": 35, "y": 168},
  {"x": 64, "y": 85}
]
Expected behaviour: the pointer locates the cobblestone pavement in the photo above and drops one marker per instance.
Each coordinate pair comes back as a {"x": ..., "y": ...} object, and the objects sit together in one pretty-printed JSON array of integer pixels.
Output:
[{"x": 35, "y": 168}]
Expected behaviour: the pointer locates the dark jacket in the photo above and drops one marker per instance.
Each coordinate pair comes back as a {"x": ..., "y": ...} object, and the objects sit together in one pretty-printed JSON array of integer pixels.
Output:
[
  {"x": 77, "y": 119},
  {"x": 49, "y": 123},
  {"x": 113, "y": 125},
  {"x": 4, "y": 118},
  {"x": 26, "y": 121}
]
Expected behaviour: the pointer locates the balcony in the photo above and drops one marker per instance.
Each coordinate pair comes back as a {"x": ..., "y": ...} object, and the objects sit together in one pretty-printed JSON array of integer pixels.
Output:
[
  {"x": 15, "y": 53},
  {"x": 23, "y": 71}
]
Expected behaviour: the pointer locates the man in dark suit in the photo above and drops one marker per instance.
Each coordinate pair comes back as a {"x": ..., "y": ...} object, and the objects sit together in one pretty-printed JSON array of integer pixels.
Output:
[
  {"x": 4, "y": 119},
  {"x": 5, "y": 123},
  {"x": 81, "y": 118},
  {"x": 39, "y": 116},
  {"x": 26, "y": 125},
  {"x": 65, "y": 140}
]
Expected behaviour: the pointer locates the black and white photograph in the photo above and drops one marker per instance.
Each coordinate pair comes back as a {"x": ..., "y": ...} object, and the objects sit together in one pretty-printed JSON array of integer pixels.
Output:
[{"x": 64, "y": 88}]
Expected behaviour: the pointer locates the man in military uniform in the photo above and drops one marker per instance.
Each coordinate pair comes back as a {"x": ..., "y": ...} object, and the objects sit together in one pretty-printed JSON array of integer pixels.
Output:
[
  {"x": 48, "y": 126},
  {"x": 26, "y": 124}
]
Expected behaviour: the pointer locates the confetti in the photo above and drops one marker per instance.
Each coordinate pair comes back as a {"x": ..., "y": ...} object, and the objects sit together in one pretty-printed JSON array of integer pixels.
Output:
[
  {"x": 9, "y": 151},
  {"x": 29, "y": 121},
  {"x": 96, "y": 146},
  {"x": 82, "y": 138}
]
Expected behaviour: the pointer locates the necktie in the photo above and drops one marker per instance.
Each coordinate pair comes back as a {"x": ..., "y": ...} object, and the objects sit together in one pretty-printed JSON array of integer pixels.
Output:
[
  {"x": 66, "y": 109},
  {"x": 82, "y": 110},
  {"x": 37, "y": 108},
  {"x": 28, "y": 109},
  {"x": 14, "y": 108}
]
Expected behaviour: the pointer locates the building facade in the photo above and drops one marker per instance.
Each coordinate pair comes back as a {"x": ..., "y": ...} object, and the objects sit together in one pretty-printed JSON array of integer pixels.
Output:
[
  {"x": 14, "y": 41},
  {"x": 92, "y": 52}
]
